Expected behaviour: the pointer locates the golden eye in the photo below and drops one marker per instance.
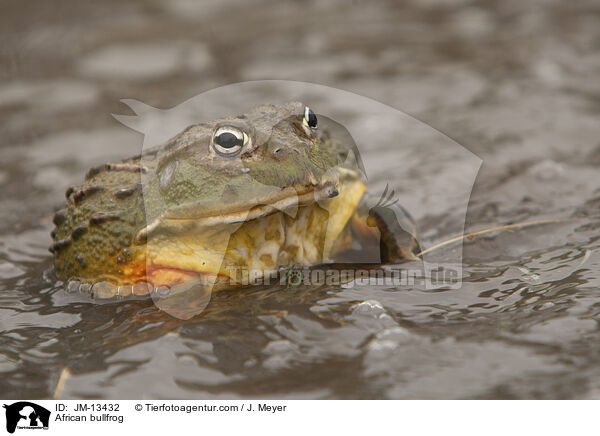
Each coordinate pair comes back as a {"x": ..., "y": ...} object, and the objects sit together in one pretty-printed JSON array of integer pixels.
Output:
[
  {"x": 228, "y": 141},
  {"x": 310, "y": 119}
]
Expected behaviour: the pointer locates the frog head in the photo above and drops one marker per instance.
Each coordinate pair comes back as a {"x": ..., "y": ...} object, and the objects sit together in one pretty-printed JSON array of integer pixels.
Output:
[{"x": 240, "y": 168}]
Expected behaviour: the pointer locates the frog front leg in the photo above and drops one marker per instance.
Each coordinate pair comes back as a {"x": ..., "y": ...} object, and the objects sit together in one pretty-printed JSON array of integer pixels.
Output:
[{"x": 379, "y": 232}]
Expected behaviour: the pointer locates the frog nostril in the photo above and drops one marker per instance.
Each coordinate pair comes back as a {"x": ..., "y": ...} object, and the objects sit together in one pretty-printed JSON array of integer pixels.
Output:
[{"x": 278, "y": 152}]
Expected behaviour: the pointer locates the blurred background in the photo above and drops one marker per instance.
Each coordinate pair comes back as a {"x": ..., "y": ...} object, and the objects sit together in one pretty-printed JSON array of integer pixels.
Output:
[
  {"x": 515, "y": 82},
  {"x": 512, "y": 81}
]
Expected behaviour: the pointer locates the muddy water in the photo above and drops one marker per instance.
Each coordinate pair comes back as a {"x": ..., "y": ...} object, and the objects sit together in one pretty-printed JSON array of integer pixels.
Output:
[{"x": 516, "y": 83}]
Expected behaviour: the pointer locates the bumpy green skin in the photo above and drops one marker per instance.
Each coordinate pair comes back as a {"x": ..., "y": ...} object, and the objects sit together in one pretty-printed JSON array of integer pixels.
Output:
[{"x": 95, "y": 234}]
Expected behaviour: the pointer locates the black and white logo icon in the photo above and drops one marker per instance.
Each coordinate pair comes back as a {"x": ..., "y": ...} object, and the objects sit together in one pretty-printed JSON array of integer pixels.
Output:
[{"x": 26, "y": 415}]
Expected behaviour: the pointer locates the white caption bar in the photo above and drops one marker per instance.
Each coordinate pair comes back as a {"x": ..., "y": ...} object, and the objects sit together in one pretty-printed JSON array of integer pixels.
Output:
[{"x": 74, "y": 417}]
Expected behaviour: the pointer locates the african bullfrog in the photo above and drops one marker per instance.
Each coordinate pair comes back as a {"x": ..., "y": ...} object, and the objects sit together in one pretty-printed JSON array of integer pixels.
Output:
[{"x": 255, "y": 191}]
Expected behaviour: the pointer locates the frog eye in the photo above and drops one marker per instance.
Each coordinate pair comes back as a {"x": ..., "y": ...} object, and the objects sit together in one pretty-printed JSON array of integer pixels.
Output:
[
  {"x": 310, "y": 119},
  {"x": 229, "y": 141}
]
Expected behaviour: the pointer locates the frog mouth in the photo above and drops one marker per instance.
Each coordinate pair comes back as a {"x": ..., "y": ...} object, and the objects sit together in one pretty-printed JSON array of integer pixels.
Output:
[
  {"x": 280, "y": 201},
  {"x": 178, "y": 251}
]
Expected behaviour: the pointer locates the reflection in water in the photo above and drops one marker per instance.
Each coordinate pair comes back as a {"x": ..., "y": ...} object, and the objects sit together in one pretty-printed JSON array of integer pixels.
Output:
[{"x": 513, "y": 327}]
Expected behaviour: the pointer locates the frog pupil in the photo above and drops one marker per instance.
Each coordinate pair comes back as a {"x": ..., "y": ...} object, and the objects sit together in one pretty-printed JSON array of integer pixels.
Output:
[
  {"x": 311, "y": 118},
  {"x": 228, "y": 140}
]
